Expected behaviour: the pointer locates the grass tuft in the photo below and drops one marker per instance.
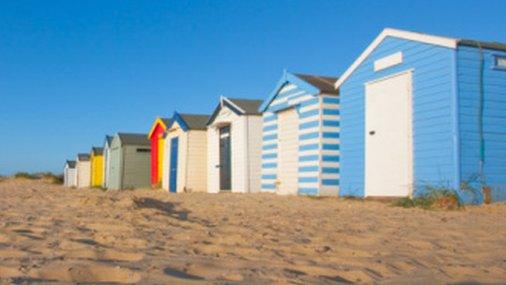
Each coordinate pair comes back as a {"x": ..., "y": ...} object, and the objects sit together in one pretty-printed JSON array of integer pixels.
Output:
[{"x": 432, "y": 198}]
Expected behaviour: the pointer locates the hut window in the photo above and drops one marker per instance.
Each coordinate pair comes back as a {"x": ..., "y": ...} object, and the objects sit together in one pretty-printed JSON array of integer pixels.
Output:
[
  {"x": 500, "y": 62},
  {"x": 143, "y": 150}
]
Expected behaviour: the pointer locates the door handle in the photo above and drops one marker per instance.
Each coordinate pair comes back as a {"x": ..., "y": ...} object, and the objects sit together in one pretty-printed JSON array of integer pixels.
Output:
[
  {"x": 372, "y": 133},
  {"x": 217, "y": 166}
]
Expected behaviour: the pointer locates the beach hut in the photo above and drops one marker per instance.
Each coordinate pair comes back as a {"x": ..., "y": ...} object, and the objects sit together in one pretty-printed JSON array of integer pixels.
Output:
[
  {"x": 234, "y": 146},
  {"x": 97, "y": 166},
  {"x": 107, "y": 160},
  {"x": 423, "y": 112},
  {"x": 69, "y": 174},
  {"x": 129, "y": 161},
  {"x": 185, "y": 167},
  {"x": 83, "y": 177},
  {"x": 300, "y": 148},
  {"x": 156, "y": 136}
]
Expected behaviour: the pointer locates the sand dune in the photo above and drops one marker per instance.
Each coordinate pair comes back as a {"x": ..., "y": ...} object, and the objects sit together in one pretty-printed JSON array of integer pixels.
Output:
[{"x": 52, "y": 234}]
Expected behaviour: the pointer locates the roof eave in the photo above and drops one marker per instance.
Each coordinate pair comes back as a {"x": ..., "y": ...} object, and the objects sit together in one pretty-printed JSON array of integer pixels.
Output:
[
  {"x": 287, "y": 77},
  {"x": 158, "y": 121},
  {"x": 407, "y": 35}
]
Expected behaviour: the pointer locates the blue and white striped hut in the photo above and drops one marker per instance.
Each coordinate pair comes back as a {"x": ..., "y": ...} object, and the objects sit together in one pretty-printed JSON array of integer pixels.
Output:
[
  {"x": 300, "y": 151},
  {"x": 421, "y": 112}
]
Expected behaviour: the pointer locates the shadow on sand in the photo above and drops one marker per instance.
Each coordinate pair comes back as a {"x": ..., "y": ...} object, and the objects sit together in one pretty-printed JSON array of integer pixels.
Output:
[{"x": 167, "y": 208}]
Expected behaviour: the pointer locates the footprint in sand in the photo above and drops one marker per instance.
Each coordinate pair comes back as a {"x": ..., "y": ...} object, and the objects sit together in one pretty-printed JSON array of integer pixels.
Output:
[{"x": 90, "y": 273}]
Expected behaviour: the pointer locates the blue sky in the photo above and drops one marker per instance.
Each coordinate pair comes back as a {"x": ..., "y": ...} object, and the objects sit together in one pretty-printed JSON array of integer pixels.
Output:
[{"x": 73, "y": 71}]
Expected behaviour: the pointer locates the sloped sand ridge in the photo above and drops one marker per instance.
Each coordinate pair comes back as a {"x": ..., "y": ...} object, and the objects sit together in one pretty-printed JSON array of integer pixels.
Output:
[{"x": 50, "y": 234}]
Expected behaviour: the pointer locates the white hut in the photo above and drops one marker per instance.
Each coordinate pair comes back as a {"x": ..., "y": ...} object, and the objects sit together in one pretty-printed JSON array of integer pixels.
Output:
[
  {"x": 107, "y": 160},
  {"x": 185, "y": 165},
  {"x": 83, "y": 166},
  {"x": 69, "y": 174},
  {"x": 234, "y": 146}
]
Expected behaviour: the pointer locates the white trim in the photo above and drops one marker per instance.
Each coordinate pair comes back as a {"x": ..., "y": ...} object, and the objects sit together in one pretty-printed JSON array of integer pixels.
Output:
[
  {"x": 223, "y": 98},
  {"x": 287, "y": 87},
  {"x": 419, "y": 37},
  {"x": 388, "y": 61}
]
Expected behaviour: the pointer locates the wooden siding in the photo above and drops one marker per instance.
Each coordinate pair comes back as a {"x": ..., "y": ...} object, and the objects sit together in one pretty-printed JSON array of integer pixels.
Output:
[
  {"x": 115, "y": 170},
  {"x": 129, "y": 168},
  {"x": 226, "y": 117},
  {"x": 107, "y": 163},
  {"x": 213, "y": 159},
  {"x": 494, "y": 121},
  {"x": 196, "y": 172},
  {"x": 246, "y": 142},
  {"x": 135, "y": 171},
  {"x": 69, "y": 177},
  {"x": 318, "y": 143},
  {"x": 254, "y": 147},
  {"x": 330, "y": 145},
  {"x": 433, "y": 114},
  {"x": 83, "y": 174}
]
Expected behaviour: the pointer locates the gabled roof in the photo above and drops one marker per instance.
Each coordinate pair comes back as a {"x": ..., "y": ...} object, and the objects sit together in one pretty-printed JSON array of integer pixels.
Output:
[
  {"x": 238, "y": 106},
  {"x": 97, "y": 150},
  {"x": 324, "y": 83},
  {"x": 71, "y": 163},
  {"x": 248, "y": 106},
  {"x": 164, "y": 122},
  {"x": 419, "y": 37},
  {"x": 83, "y": 157},
  {"x": 190, "y": 121},
  {"x": 313, "y": 84},
  {"x": 108, "y": 140},
  {"x": 133, "y": 139}
]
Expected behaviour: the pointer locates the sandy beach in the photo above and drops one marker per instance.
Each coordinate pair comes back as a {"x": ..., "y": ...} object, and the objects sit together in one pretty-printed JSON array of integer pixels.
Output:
[{"x": 51, "y": 234}]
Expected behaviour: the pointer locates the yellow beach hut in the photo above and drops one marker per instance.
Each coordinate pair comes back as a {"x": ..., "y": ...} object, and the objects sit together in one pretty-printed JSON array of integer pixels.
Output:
[{"x": 97, "y": 166}]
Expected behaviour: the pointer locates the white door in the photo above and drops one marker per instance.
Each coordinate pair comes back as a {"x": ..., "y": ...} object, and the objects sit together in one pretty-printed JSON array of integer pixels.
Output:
[
  {"x": 389, "y": 136},
  {"x": 288, "y": 143}
]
